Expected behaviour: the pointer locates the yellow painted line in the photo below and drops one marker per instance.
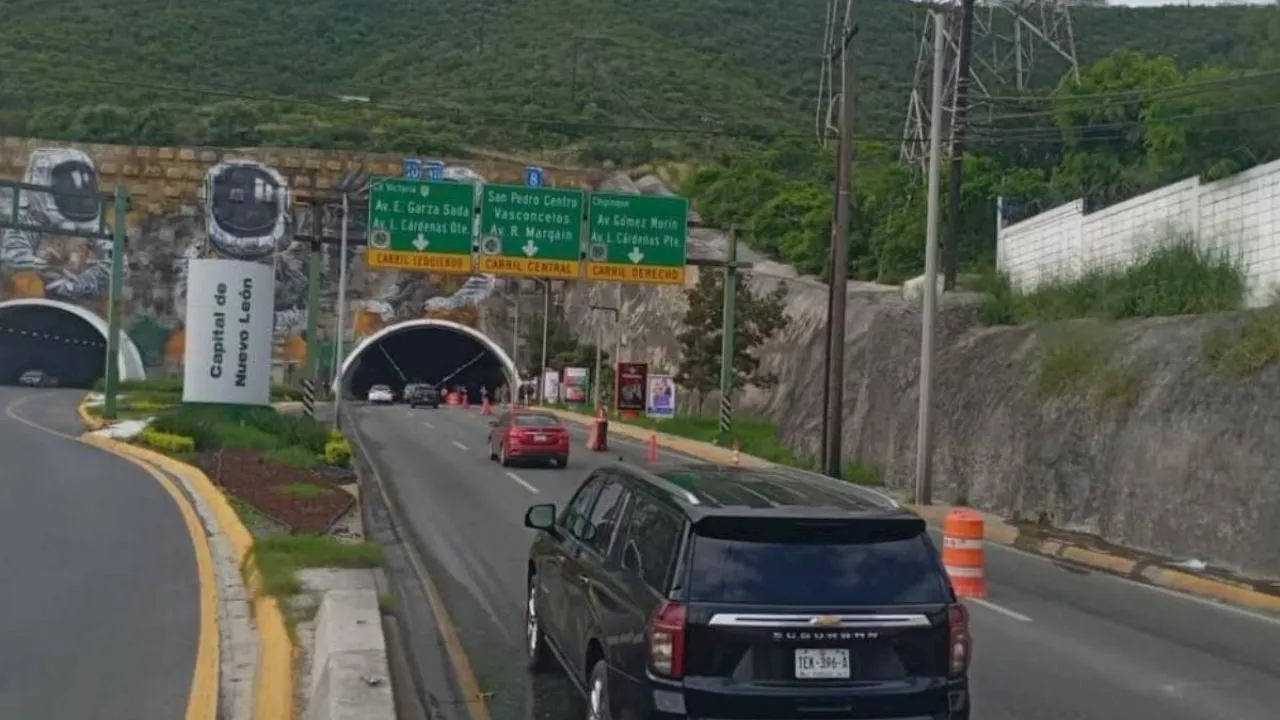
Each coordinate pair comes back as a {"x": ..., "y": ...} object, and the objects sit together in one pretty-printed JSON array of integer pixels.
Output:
[
  {"x": 464, "y": 674},
  {"x": 202, "y": 699},
  {"x": 274, "y": 687}
]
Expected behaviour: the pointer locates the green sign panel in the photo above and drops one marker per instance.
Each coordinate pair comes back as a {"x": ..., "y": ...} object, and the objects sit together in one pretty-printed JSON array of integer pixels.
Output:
[
  {"x": 423, "y": 226},
  {"x": 637, "y": 238},
  {"x": 531, "y": 232}
]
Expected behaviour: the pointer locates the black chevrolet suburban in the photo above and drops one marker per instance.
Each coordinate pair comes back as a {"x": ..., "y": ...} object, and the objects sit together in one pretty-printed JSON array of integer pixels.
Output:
[{"x": 708, "y": 592}]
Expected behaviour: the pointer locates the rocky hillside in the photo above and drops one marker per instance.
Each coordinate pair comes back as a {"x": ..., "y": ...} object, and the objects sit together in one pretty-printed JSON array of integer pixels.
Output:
[{"x": 1162, "y": 454}]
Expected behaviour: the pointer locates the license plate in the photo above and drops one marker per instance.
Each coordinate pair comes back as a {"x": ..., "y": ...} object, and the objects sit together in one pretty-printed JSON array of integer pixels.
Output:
[
  {"x": 822, "y": 664},
  {"x": 539, "y": 438}
]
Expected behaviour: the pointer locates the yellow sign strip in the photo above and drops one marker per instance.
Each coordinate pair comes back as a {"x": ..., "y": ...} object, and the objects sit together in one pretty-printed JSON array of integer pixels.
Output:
[
  {"x": 419, "y": 262},
  {"x": 531, "y": 267},
  {"x": 627, "y": 273}
]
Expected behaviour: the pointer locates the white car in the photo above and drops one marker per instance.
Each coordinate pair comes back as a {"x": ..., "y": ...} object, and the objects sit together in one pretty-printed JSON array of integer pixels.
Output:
[{"x": 381, "y": 394}]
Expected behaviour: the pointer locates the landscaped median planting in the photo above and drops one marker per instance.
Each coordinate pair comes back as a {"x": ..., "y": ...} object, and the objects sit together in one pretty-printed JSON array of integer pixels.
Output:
[
  {"x": 147, "y": 398},
  {"x": 287, "y": 468}
]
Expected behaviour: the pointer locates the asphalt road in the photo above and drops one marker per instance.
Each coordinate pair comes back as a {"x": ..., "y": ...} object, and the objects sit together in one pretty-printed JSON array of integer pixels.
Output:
[
  {"x": 99, "y": 602},
  {"x": 1052, "y": 641}
]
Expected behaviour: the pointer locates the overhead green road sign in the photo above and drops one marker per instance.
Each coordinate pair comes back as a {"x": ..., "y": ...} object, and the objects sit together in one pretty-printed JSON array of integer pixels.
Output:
[
  {"x": 637, "y": 238},
  {"x": 422, "y": 226},
  {"x": 531, "y": 231}
]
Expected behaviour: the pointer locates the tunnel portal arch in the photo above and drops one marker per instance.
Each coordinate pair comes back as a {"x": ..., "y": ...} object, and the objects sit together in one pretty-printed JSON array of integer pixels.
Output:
[
  {"x": 129, "y": 360},
  {"x": 508, "y": 365}
]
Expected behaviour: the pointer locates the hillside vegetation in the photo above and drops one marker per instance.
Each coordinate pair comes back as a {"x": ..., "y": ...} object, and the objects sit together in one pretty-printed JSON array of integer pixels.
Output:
[{"x": 493, "y": 74}]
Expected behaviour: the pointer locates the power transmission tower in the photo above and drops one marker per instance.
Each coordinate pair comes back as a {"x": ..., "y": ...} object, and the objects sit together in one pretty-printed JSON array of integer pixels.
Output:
[{"x": 1011, "y": 40}]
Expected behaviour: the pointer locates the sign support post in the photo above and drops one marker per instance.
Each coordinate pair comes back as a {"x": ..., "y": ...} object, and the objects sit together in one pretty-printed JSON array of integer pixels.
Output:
[
  {"x": 727, "y": 350},
  {"x": 342, "y": 315},
  {"x": 116, "y": 288}
]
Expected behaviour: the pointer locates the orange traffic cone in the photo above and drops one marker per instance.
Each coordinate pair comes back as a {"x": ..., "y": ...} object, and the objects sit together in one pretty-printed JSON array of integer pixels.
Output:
[
  {"x": 651, "y": 456},
  {"x": 466, "y": 400},
  {"x": 485, "y": 407},
  {"x": 737, "y": 454},
  {"x": 598, "y": 436}
]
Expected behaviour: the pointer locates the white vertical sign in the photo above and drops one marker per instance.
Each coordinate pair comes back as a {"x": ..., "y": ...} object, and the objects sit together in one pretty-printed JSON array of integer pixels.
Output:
[{"x": 230, "y": 316}]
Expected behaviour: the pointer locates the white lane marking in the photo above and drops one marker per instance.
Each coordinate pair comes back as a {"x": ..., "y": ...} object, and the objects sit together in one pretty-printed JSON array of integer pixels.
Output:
[
  {"x": 981, "y": 602},
  {"x": 429, "y": 425},
  {"x": 460, "y": 446},
  {"x": 1207, "y": 602},
  {"x": 522, "y": 483}
]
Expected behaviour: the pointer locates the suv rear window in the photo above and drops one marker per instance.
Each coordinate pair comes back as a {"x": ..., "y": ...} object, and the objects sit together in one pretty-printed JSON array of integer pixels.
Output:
[
  {"x": 536, "y": 421},
  {"x": 899, "y": 571}
]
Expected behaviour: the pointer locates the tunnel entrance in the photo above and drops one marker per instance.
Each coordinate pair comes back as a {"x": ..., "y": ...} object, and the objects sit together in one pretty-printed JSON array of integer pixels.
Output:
[
  {"x": 446, "y": 354},
  {"x": 65, "y": 342}
]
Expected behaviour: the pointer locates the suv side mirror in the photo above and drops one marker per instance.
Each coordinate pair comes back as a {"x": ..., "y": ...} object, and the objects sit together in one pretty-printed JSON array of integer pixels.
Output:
[{"x": 540, "y": 517}]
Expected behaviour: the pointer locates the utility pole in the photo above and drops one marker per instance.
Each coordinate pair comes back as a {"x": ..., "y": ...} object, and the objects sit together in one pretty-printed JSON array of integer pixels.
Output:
[
  {"x": 959, "y": 128},
  {"x": 115, "y": 290},
  {"x": 515, "y": 331},
  {"x": 597, "y": 380},
  {"x": 924, "y": 433},
  {"x": 834, "y": 410},
  {"x": 729, "y": 324},
  {"x": 314, "y": 261},
  {"x": 338, "y": 350},
  {"x": 546, "y": 322}
]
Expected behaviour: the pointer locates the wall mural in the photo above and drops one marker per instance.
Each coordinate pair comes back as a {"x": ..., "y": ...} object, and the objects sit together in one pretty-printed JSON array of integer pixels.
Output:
[{"x": 245, "y": 211}]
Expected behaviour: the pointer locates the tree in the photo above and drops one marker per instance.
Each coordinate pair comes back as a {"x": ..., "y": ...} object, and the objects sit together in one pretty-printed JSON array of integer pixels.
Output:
[{"x": 756, "y": 319}]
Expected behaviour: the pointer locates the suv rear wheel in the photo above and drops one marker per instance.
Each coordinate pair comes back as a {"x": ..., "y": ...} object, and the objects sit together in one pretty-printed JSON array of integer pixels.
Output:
[{"x": 537, "y": 657}]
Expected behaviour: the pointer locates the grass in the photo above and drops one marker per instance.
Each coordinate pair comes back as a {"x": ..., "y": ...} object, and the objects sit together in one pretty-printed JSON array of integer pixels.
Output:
[
  {"x": 755, "y": 436},
  {"x": 1074, "y": 359},
  {"x": 279, "y": 558},
  {"x": 303, "y": 490},
  {"x": 1241, "y": 353},
  {"x": 1177, "y": 277},
  {"x": 294, "y": 456}
]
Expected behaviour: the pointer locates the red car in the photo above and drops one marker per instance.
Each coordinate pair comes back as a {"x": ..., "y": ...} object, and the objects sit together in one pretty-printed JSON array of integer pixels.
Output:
[{"x": 524, "y": 435}]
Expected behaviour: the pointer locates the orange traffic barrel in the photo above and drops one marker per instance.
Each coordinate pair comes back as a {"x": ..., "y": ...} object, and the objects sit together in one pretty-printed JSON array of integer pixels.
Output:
[{"x": 963, "y": 554}]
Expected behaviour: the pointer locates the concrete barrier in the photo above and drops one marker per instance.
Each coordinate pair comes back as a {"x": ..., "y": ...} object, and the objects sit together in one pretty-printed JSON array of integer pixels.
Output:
[{"x": 350, "y": 675}]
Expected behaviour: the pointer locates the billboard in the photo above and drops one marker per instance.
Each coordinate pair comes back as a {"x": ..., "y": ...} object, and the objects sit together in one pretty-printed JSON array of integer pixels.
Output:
[
  {"x": 660, "y": 398},
  {"x": 230, "y": 317},
  {"x": 632, "y": 384}
]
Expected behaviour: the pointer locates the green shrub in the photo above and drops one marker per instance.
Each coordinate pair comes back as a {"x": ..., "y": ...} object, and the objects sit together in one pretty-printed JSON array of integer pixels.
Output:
[
  {"x": 337, "y": 452},
  {"x": 1175, "y": 278},
  {"x": 167, "y": 442},
  {"x": 206, "y": 423}
]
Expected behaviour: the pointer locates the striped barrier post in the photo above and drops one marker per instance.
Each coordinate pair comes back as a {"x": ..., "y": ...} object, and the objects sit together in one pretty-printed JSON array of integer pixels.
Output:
[{"x": 309, "y": 396}]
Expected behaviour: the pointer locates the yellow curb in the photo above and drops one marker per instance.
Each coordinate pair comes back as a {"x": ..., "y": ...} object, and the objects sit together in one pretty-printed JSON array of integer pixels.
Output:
[
  {"x": 287, "y": 406},
  {"x": 1099, "y": 560},
  {"x": 696, "y": 448},
  {"x": 91, "y": 422},
  {"x": 273, "y": 690},
  {"x": 1215, "y": 589}
]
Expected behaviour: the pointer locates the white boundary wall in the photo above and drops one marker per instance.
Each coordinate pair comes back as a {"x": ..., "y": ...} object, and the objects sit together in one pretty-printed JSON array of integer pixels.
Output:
[{"x": 1241, "y": 212}]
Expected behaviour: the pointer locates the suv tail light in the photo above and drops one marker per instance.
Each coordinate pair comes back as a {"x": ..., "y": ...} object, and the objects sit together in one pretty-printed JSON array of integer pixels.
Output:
[
  {"x": 666, "y": 640},
  {"x": 960, "y": 645}
]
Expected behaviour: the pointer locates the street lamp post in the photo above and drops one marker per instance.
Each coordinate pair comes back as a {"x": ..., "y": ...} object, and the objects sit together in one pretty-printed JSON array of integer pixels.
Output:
[{"x": 599, "y": 344}]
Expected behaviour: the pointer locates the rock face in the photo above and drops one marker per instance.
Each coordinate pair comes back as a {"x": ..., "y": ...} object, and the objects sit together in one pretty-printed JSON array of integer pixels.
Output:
[{"x": 1186, "y": 464}]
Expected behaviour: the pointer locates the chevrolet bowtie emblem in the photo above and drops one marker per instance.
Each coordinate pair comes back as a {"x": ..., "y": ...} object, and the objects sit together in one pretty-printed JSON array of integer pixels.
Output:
[{"x": 825, "y": 621}]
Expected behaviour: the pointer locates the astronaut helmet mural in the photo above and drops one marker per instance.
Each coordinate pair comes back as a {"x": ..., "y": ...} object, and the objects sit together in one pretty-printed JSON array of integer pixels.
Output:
[
  {"x": 50, "y": 265},
  {"x": 247, "y": 214}
]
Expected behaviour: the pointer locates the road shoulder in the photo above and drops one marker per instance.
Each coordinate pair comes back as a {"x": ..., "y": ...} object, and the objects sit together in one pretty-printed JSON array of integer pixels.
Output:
[{"x": 997, "y": 530}]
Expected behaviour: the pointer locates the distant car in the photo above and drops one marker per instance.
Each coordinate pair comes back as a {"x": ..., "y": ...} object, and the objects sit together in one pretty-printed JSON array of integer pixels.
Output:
[
  {"x": 707, "y": 591},
  {"x": 37, "y": 378},
  {"x": 524, "y": 435},
  {"x": 381, "y": 394},
  {"x": 424, "y": 394}
]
